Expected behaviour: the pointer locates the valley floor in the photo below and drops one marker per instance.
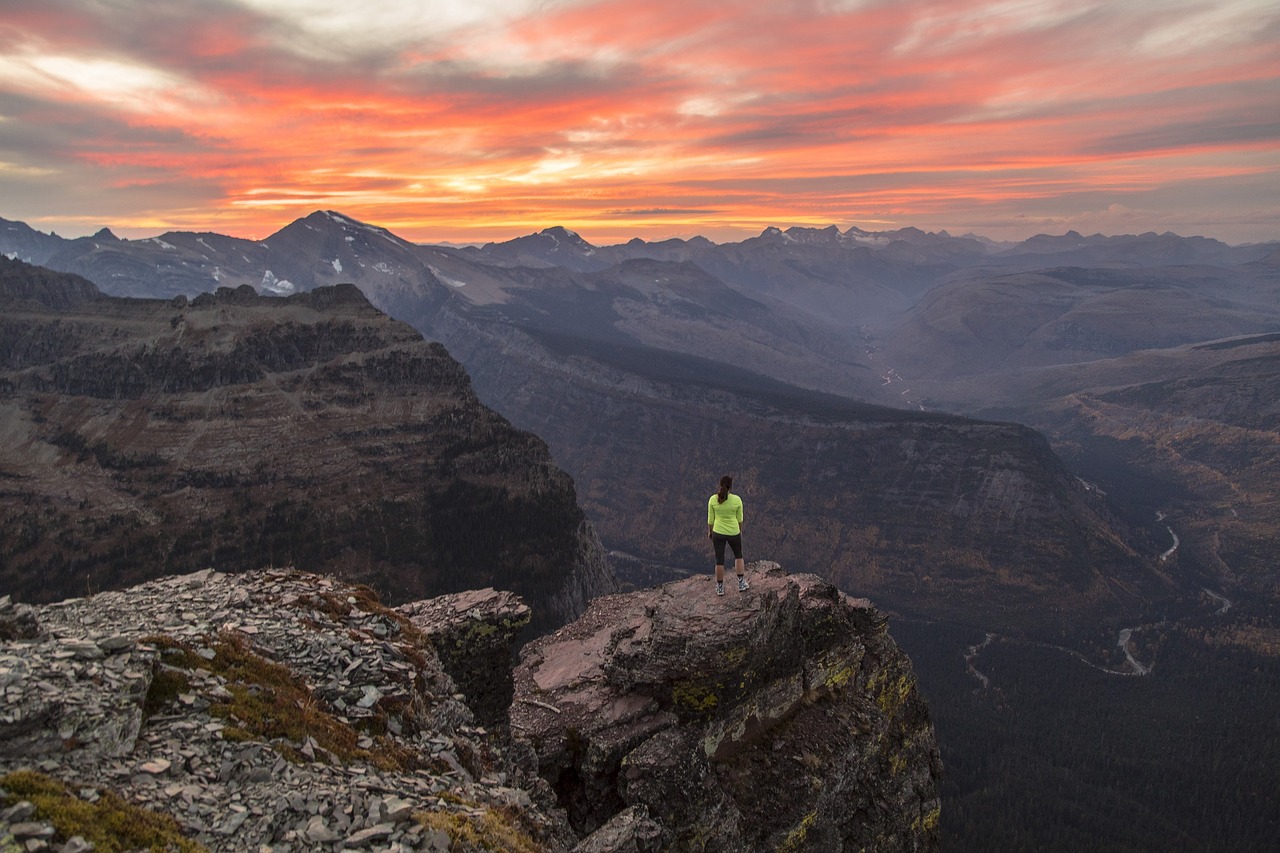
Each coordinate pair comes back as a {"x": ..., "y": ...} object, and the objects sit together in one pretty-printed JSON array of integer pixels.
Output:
[{"x": 1042, "y": 752}]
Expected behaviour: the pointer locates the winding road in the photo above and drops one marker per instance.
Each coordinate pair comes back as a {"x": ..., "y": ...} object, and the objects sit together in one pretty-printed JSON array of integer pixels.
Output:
[
  {"x": 1132, "y": 664},
  {"x": 971, "y": 654},
  {"x": 1135, "y": 666},
  {"x": 1167, "y": 554},
  {"x": 1221, "y": 599},
  {"x": 1124, "y": 642}
]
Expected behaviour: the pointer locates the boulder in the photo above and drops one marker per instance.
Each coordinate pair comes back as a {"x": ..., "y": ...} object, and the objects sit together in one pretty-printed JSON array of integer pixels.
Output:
[{"x": 17, "y": 621}]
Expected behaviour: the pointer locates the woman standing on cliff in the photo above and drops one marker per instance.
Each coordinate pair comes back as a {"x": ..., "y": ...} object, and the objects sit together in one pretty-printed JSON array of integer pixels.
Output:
[{"x": 724, "y": 525}]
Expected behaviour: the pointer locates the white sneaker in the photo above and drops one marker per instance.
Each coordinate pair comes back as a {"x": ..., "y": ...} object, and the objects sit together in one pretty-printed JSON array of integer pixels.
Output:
[
  {"x": 743, "y": 586},
  {"x": 719, "y": 587}
]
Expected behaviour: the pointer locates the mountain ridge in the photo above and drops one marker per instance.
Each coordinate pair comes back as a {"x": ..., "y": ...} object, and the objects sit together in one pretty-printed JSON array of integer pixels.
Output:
[{"x": 146, "y": 437}]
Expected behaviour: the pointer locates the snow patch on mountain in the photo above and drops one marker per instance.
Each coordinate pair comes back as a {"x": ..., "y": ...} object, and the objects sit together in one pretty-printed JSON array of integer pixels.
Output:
[
  {"x": 372, "y": 229},
  {"x": 870, "y": 239},
  {"x": 278, "y": 286},
  {"x": 452, "y": 282},
  {"x": 337, "y": 265}
]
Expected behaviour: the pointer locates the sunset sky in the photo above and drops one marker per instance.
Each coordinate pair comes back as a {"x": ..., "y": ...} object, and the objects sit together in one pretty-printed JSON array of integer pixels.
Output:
[{"x": 472, "y": 120}]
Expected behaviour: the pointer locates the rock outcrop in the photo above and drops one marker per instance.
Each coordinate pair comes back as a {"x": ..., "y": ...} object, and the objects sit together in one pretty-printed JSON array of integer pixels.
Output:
[{"x": 781, "y": 718}]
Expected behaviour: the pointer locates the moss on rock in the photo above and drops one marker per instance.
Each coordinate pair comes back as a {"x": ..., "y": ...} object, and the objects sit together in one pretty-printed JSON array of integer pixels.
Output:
[{"x": 111, "y": 823}]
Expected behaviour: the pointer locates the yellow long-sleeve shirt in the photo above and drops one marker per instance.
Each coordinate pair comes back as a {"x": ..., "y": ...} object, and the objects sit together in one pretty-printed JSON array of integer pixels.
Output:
[{"x": 725, "y": 518}]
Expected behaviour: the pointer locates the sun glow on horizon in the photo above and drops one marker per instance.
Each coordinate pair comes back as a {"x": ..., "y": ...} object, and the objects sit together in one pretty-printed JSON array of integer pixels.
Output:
[{"x": 473, "y": 122}]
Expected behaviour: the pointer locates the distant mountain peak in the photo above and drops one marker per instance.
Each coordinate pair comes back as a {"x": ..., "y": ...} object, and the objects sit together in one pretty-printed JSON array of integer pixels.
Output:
[
  {"x": 564, "y": 235},
  {"x": 327, "y": 218},
  {"x": 327, "y": 221},
  {"x": 335, "y": 216},
  {"x": 105, "y": 234},
  {"x": 560, "y": 232},
  {"x": 555, "y": 245}
]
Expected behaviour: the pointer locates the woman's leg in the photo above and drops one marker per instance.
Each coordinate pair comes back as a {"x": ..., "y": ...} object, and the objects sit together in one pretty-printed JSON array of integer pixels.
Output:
[
  {"x": 739, "y": 565},
  {"x": 719, "y": 541},
  {"x": 735, "y": 542}
]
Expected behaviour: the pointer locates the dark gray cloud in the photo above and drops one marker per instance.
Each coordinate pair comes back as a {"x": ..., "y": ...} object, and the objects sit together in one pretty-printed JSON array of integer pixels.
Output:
[
  {"x": 1209, "y": 132},
  {"x": 42, "y": 131}
]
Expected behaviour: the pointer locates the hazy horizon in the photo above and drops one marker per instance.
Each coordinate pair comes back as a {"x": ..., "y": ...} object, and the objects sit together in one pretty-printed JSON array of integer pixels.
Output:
[{"x": 144, "y": 234}]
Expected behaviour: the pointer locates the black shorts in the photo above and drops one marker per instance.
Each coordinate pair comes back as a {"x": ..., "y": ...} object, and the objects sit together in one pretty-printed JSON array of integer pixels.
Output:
[{"x": 735, "y": 542}]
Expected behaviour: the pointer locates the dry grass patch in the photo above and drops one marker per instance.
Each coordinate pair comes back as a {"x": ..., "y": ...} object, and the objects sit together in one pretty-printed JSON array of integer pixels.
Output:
[
  {"x": 111, "y": 824},
  {"x": 492, "y": 831},
  {"x": 268, "y": 702}
]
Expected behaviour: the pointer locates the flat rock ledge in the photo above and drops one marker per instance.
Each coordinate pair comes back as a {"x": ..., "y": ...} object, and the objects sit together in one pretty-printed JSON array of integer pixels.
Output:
[
  {"x": 270, "y": 710},
  {"x": 780, "y": 718}
]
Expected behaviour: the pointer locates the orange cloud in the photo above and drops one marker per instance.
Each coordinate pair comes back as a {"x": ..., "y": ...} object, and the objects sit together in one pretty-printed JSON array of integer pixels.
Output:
[{"x": 452, "y": 123}]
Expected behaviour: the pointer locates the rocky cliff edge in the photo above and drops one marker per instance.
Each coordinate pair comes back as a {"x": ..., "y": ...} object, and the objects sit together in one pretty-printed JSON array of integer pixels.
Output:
[
  {"x": 282, "y": 710},
  {"x": 780, "y": 718}
]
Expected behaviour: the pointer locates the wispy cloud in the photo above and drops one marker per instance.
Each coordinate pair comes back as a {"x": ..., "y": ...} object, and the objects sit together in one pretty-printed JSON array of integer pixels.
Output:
[
  {"x": 466, "y": 121},
  {"x": 664, "y": 211}
]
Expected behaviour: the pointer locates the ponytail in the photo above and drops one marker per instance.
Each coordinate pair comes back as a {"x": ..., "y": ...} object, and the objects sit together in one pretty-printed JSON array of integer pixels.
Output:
[{"x": 726, "y": 483}]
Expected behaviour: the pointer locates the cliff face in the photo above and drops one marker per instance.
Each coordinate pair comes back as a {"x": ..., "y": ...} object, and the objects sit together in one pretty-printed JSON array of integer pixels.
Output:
[
  {"x": 935, "y": 516},
  {"x": 780, "y": 718},
  {"x": 148, "y": 437}
]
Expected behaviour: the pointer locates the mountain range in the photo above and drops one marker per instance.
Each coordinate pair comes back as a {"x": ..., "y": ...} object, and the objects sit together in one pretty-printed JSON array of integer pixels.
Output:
[
  {"x": 826, "y": 368},
  {"x": 1046, "y": 443}
]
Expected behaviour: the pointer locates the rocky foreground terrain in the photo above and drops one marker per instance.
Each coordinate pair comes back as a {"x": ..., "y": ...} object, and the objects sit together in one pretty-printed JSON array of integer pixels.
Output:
[{"x": 279, "y": 710}]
